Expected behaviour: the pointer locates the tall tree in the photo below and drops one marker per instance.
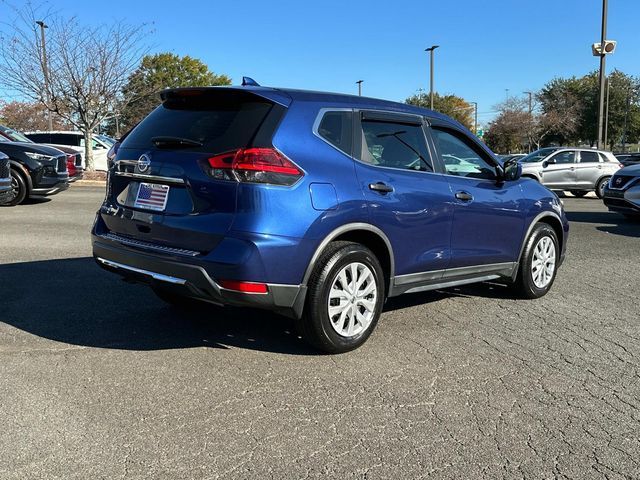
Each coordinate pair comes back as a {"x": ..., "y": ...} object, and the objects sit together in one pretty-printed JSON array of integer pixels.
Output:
[
  {"x": 26, "y": 116},
  {"x": 87, "y": 65},
  {"x": 155, "y": 73},
  {"x": 451, "y": 105}
]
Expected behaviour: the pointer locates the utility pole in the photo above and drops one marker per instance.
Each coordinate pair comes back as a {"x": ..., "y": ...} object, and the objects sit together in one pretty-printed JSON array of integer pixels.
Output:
[
  {"x": 431, "y": 49},
  {"x": 45, "y": 71},
  {"x": 530, "y": 118},
  {"x": 606, "y": 115},
  {"x": 359, "y": 82},
  {"x": 603, "y": 54}
]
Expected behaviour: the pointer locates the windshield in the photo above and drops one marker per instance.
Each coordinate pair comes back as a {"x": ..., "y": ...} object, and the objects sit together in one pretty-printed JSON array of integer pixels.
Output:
[
  {"x": 538, "y": 155},
  {"x": 15, "y": 136},
  {"x": 105, "y": 139}
]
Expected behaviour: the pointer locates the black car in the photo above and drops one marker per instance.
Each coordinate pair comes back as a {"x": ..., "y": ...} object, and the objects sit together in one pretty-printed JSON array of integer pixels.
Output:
[
  {"x": 628, "y": 159},
  {"x": 6, "y": 193},
  {"x": 622, "y": 193},
  {"x": 36, "y": 170}
]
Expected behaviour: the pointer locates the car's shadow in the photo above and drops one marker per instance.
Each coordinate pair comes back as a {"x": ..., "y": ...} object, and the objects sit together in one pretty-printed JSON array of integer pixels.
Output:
[
  {"x": 75, "y": 302},
  {"x": 610, "y": 222}
]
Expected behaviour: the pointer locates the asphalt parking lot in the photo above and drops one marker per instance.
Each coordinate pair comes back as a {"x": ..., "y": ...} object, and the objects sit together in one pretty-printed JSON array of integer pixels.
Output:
[{"x": 99, "y": 379}]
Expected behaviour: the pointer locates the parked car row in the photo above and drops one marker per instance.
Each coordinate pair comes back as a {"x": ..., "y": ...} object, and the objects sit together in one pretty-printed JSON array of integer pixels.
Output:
[{"x": 32, "y": 166}]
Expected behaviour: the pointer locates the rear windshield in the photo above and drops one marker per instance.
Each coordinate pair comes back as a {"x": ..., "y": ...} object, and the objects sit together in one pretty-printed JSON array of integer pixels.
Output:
[{"x": 219, "y": 121}]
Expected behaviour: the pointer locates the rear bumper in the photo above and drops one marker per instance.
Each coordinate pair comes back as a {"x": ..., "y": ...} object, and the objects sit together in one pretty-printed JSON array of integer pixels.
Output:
[{"x": 190, "y": 278}]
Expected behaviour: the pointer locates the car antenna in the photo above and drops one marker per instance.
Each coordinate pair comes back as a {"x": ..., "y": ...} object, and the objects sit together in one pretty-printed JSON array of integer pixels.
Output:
[{"x": 250, "y": 82}]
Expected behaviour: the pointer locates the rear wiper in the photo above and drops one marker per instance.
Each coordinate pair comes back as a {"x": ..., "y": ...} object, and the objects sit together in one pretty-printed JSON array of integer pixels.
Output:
[{"x": 164, "y": 142}]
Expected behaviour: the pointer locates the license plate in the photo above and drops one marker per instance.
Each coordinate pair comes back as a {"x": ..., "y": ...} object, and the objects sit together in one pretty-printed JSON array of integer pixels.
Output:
[{"x": 152, "y": 196}]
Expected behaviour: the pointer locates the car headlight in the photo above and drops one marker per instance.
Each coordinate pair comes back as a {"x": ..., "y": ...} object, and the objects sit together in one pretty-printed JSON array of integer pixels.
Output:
[{"x": 39, "y": 156}]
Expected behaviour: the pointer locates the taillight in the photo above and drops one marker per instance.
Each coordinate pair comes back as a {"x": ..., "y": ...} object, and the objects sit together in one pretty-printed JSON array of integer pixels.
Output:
[
  {"x": 255, "y": 165},
  {"x": 244, "y": 287}
]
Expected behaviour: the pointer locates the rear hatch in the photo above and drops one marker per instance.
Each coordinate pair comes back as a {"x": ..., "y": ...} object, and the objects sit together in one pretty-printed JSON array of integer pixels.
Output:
[{"x": 162, "y": 189}]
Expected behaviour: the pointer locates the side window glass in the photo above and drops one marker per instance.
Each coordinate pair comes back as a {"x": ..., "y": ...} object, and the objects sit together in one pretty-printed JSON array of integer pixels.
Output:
[
  {"x": 336, "y": 128},
  {"x": 459, "y": 158},
  {"x": 395, "y": 145},
  {"x": 589, "y": 157},
  {"x": 563, "y": 157}
]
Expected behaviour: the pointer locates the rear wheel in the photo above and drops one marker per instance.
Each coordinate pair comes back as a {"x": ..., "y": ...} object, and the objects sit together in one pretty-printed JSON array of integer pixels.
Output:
[
  {"x": 600, "y": 186},
  {"x": 538, "y": 263},
  {"x": 578, "y": 193},
  {"x": 344, "y": 299},
  {"x": 19, "y": 187}
]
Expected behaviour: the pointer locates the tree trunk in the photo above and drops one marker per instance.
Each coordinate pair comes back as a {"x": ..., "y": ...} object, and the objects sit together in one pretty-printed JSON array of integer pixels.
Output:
[{"x": 88, "y": 150}]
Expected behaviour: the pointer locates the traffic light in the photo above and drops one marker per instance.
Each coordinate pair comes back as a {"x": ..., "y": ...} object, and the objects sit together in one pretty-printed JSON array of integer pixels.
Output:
[{"x": 609, "y": 47}]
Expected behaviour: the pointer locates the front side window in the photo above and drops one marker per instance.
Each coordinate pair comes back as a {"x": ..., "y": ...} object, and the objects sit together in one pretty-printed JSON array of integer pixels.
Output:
[
  {"x": 395, "y": 145},
  {"x": 563, "y": 157},
  {"x": 459, "y": 158},
  {"x": 336, "y": 128},
  {"x": 589, "y": 157}
]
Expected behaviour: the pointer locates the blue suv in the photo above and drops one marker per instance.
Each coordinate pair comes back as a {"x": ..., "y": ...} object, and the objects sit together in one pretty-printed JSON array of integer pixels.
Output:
[{"x": 318, "y": 206}]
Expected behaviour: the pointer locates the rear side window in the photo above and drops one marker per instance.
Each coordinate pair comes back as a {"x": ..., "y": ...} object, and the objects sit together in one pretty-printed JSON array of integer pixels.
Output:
[
  {"x": 589, "y": 157},
  {"x": 395, "y": 145},
  {"x": 220, "y": 121},
  {"x": 40, "y": 137},
  {"x": 336, "y": 128}
]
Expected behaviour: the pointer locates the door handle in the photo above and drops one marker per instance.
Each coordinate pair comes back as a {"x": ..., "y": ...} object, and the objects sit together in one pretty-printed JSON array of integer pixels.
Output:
[
  {"x": 464, "y": 196},
  {"x": 380, "y": 187}
]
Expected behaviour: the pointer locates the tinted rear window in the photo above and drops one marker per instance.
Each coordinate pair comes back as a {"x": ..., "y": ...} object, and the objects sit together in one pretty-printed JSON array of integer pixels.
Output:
[{"x": 219, "y": 121}]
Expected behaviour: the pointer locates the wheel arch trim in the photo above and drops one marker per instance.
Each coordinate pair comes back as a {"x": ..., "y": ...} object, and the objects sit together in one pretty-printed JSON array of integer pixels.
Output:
[
  {"x": 534, "y": 222},
  {"x": 349, "y": 227}
]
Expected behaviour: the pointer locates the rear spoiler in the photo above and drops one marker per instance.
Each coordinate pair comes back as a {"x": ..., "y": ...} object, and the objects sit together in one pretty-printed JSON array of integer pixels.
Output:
[{"x": 271, "y": 94}]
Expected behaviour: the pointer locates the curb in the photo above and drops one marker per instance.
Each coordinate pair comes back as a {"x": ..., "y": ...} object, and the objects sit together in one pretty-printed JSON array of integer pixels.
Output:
[{"x": 89, "y": 183}]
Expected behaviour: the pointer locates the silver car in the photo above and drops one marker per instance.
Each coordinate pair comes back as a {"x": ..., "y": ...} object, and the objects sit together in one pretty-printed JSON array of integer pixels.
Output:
[{"x": 579, "y": 170}]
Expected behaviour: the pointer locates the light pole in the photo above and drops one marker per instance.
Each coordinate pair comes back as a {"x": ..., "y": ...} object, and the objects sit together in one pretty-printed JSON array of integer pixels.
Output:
[
  {"x": 431, "y": 49},
  {"x": 475, "y": 118},
  {"x": 45, "y": 71},
  {"x": 530, "y": 117},
  {"x": 603, "y": 55},
  {"x": 359, "y": 82}
]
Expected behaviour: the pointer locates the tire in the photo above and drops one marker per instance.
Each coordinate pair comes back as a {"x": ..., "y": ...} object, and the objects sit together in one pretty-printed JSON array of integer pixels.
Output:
[
  {"x": 20, "y": 188},
  {"x": 578, "y": 193},
  {"x": 600, "y": 186},
  {"x": 352, "y": 324},
  {"x": 528, "y": 284}
]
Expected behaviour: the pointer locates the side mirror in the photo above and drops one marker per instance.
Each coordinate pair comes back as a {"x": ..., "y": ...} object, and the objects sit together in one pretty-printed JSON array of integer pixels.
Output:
[{"x": 512, "y": 170}]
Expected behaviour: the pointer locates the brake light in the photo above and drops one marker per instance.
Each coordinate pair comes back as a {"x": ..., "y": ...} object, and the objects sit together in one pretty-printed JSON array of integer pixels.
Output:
[
  {"x": 255, "y": 165},
  {"x": 244, "y": 287}
]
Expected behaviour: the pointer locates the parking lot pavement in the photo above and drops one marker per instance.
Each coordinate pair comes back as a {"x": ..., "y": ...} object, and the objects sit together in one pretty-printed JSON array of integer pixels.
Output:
[{"x": 98, "y": 379}]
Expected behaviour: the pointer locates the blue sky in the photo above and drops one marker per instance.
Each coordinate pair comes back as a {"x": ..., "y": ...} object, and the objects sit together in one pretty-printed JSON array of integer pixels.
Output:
[{"x": 486, "y": 46}]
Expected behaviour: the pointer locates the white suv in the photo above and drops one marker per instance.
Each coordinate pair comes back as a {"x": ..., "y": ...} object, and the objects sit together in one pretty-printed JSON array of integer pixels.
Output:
[
  {"x": 579, "y": 170},
  {"x": 75, "y": 140}
]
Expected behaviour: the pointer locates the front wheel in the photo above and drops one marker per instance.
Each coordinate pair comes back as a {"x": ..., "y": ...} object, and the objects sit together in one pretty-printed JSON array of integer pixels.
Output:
[
  {"x": 539, "y": 262},
  {"x": 600, "y": 186},
  {"x": 19, "y": 188},
  {"x": 344, "y": 300}
]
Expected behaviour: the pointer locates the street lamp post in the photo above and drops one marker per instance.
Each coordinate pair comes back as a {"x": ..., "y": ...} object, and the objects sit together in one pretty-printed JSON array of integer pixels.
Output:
[
  {"x": 431, "y": 49},
  {"x": 603, "y": 55},
  {"x": 359, "y": 82},
  {"x": 475, "y": 117},
  {"x": 45, "y": 72},
  {"x": 530, "y": 116}
]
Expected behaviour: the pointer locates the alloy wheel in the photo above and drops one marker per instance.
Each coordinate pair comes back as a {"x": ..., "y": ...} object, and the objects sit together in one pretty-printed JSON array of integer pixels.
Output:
[
  {"x": 543, "y": 263},
  {"x": 352, "y": 300}
]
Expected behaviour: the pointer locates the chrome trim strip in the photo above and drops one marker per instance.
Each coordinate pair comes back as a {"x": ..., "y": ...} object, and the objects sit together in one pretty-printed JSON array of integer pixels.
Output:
[
  {"x": 157, "y": 178},
  {"x": 154, "y": 275},
  {"x": 344, "y": 229},
  {"x": 151, "y": 246}
]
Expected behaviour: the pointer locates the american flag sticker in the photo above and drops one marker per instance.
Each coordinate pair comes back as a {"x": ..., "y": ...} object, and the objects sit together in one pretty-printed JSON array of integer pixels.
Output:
[{"x": 152, "y": 196}]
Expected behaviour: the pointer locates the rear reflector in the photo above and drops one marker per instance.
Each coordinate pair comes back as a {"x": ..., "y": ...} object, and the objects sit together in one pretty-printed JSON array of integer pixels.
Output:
[
  {"x": 245, "y": 287},
  {"x": 255, "y": 165}
]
